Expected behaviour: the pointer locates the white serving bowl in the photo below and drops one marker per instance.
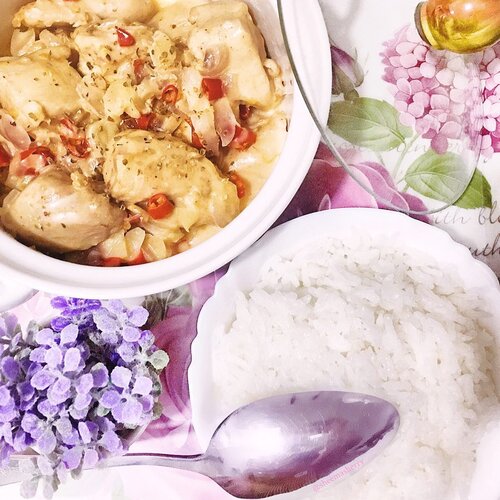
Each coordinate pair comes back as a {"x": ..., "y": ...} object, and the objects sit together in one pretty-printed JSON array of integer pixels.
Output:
[
  {"x": 310, "y": 45},
  {"x": 243, "y": 275}
]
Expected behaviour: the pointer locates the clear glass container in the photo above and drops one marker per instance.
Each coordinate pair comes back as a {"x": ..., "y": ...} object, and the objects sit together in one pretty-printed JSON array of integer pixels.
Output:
[{"x": 417, "y": 154}]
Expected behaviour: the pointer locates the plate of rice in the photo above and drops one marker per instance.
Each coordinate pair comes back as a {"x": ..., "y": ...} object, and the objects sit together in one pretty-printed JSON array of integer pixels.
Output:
[{"x": 368, "y": 301}]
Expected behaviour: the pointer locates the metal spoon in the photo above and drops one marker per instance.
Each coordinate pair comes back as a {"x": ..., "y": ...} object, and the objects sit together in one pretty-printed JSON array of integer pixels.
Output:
[{"x": 280, "y": 444}]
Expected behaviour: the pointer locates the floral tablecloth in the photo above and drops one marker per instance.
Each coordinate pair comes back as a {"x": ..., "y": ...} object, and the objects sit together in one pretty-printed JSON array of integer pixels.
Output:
[{"x": 386, "y": 64}]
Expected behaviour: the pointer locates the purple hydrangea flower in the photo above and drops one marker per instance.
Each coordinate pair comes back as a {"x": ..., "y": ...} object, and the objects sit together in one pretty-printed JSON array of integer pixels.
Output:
[
  {"x": 74, "y": 311},
  {"x": 68, "y": 392},
  {"x": 121, "y": 377}
]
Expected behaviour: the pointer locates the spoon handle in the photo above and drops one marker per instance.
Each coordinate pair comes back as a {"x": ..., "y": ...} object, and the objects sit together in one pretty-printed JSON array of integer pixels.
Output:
[
  {"x": 13, "y": 473},
  {"x": 193, "y": 463}
]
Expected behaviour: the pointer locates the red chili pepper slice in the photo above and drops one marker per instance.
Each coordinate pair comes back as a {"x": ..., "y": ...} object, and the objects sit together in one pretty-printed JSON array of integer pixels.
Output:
[
  {"x": 196, "y": 140},
  {"x": 140, "y": 259},
  {"x": 4, "y": 157},
  {"x": 125, "y": 39},
  {"x": 76, "y": 146},
  {"x": 240, "y": 184},
  {"x": 139, "y": 70},
  {"x": 245, "y": 112},
  {"x": 112, "y": 262},
  {"x": 159, "y": 206},
  {"x": 69, "y": 126},
  {"x": 213, "y": 88},
  {"x": 170, "y": 94},
  {"x": 144, "y": 122},
  {"x": 44, "y": 151},
  {"x": 243, "y": 139}
]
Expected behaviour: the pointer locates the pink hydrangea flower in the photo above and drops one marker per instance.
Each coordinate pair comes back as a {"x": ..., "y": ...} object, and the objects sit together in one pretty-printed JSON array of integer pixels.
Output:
[
  {"x": 489, "y": 65},
  {"x": 431, "y": 92}
]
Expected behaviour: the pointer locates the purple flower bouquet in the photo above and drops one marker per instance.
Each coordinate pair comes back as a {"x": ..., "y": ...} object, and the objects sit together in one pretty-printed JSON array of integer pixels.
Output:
[{"x": 74, "y": 392}]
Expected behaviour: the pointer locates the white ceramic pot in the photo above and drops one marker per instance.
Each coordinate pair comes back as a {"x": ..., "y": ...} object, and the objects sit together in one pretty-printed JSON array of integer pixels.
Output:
[{"x": 309, "y": 41}]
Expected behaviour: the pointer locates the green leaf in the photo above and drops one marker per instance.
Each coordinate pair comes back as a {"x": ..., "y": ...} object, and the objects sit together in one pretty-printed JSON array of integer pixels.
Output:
[
  {"x": 439, "y": 177},
  {"x": 368, "y": 123},
  {"x": 477, "y": 194}
]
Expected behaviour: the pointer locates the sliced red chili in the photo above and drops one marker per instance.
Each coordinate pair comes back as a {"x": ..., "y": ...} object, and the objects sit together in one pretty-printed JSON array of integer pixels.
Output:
[
  {"x": 69, "y": 126},
  {"x": 196, "y": 140},
  {"x": 125, "y": 39},
  {"x": 159, "y": 206},
  {"x": 144, "y": 122},
  {"x": 139, "y": 70},
  {"x": 140, "y": 259},
  {"x": 4, "y": 157},
  {"x": 76, "y": 146},
  {"x": 213, "y": 88},
  {"x": 112, "y": 262},
  {"x": 243, "y": 138},
  {"x": 240, "y": 184},
  {"x": 245, "y": 112},
  {"x": 44, "y": 151},
  {"x": 170, "y": 94}
]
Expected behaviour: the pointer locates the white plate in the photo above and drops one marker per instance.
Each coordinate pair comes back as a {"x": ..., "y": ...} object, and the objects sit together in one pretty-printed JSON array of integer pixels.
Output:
[{"x": 243, "y": 274}]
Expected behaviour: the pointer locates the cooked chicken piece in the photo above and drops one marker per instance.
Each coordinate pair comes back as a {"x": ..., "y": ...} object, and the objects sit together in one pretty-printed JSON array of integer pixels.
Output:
[
  {"x": 140, "y": 164},
  {"x": 173, "y": 19},
  {"x": 124, "y": 10},
  {"x": 49, "y": 13},
  {"x": 255, "y": 164},
  {"x": 101, "y": 54},
  {"x": 27, "y": 42},
  {"x": 38, "y": 86},
  {"x": 226, "y": 26},
  {"x": 60, "y": 215}
]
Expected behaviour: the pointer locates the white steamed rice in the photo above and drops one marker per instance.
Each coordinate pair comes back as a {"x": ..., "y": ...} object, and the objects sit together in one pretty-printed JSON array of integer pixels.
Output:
[{"x": 362, "y": 316}]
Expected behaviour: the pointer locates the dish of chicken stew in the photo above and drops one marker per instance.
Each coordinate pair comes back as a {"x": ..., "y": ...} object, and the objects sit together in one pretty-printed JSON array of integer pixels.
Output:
[{"x": 128, "y": 139}]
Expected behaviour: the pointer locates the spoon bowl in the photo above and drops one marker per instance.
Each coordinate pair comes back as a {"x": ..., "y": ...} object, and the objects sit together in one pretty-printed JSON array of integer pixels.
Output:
[
  {"x": 280, "y": 444},
  {"x": 277, "y": 445}
]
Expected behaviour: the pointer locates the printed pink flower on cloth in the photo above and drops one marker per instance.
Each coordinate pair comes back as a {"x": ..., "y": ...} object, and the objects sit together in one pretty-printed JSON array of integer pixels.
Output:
[
  {"x": 489, "y": 65},
  {"x": 328, "y": 186},
  {"x": 432, "y": 92},
  {"x": 174, "y": 333}
]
